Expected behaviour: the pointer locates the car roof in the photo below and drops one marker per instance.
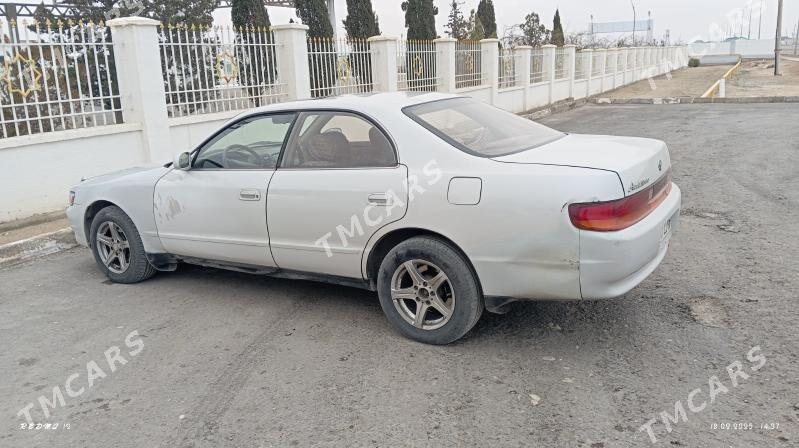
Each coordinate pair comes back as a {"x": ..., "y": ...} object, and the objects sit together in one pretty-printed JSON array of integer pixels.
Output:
[{"x": 369, "y": 103}]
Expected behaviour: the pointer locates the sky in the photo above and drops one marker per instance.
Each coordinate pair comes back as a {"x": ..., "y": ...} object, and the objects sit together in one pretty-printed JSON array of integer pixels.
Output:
[{"x": 686, "y": 20}]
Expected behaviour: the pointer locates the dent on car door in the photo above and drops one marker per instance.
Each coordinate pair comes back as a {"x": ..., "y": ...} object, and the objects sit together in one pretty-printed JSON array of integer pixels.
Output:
[
  {"x": 339, "y": 181},
  {"x": 217, "y": 209}
]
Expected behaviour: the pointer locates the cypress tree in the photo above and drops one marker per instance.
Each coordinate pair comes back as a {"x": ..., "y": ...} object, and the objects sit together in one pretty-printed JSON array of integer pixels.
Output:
[
  {"x": 557, "y": 31},
  {"x": 456, "y": 24},
  {"x": 485, "y": 12},
  {"x": 251, "y": 22},
  {"x": 420, "y": 19},
  {"x": 361, "y": 21},
  {"x": 314, "y": 14}
]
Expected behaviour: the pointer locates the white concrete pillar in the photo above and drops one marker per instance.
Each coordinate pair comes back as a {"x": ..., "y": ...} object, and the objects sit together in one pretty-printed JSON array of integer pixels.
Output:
[
  {"x": 141, "y": 84},
  {"x": 589, "y": 67},
  {"x": 548, "y": 52},
  {"x": 292, "y": 59},
  {"x": 523, "y": 59},
  {"x": 489, "y": 65},
  {"x": 601, "y": 55},
  {"x": 383, "y": 51},
  {"x": 613, "y": 57},
  {"x": 445, "y": 63},
  {"x": 571, "y": 51},
  {"x": 623, "y": 55}
]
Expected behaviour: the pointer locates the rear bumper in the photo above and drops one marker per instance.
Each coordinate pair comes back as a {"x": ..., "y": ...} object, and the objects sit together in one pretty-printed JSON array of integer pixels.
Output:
[{"x": 612, "y": 263}]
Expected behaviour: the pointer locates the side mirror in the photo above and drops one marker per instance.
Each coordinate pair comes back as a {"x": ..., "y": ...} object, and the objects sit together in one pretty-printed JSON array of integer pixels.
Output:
[{"x": 182, "y": 161}]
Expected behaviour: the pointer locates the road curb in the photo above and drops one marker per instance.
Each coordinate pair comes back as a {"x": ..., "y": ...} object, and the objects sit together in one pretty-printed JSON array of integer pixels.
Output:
[
  {"x": 696, "y": 100},
  {"x": 37, "y": 246}
]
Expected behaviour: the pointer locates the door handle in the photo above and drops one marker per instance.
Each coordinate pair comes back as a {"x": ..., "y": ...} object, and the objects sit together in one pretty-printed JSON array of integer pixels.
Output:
[
  {"x": 250, "y": 194},
  {"x": 379, "y": 199}
]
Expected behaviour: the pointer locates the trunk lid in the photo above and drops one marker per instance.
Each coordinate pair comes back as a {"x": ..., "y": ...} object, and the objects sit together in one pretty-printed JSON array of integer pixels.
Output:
[{"x": 639, "y": 162}]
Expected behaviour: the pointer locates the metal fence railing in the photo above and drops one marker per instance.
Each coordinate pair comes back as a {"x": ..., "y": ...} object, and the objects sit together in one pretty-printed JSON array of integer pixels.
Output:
[
  {"x": 620, "y": 60},
  {"x": 610, "y": 62},
  {"x": 580, "y": 65},
  {"x": 339, "y": 66},
  {"x": 468, "y": 64},
  {"x": 630, "y": 59},
  {"x": 596, "y": 64},
  {"x": 561, "y": 64},
  {"x": 218, "y": 69},
  {"x": 508, "y": 59},
  {"x": 639, "y": 58},
  {"x": 416, "y": 65},
  {"x": 538, "y": 71},
  {"x": 57, "y": 76}
]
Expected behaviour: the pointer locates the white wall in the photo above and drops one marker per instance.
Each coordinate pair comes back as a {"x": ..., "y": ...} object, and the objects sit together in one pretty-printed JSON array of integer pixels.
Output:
[
  {"x": 745, "y": 48},
  {"x": 38, "y": 170}
]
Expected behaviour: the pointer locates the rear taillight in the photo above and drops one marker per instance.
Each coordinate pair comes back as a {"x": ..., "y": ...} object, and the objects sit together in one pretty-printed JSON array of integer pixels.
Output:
[
  {"x": 71, "y": 198},
  {"x": 621, "y": 213}
]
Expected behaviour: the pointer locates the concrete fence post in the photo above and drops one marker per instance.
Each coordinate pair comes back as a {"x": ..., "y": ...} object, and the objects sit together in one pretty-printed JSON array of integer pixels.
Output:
[
  {"x": 548, "y": 52},
  {"x": 589, "y": 67},
  {"x": 571, "y": 52},
  {"x": 489, "y": 60},
  {"x": 523, "y": 72},
  {"x": 614, "y": 60},
  {"x": 621, "y": 63},
  {"x": 141, "y": 85},
  {"x": 292, "y": 59},
  {"x": 383, "y": 53},
  {"x": 445, "y": 63},
  {"x": 602, "y": 56}
]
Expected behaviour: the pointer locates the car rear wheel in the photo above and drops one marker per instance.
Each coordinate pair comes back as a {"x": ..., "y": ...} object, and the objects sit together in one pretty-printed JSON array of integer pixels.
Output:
[
  {"x": 428, "y": 291},
  {"x": 117, "y": 247}
]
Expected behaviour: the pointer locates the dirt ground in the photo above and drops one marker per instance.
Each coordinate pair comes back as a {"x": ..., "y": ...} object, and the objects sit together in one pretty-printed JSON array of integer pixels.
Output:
[
  {"x": 756, "y": 78},
  {"x": 235, "y": 360},
  {"x": 691, "y": 81}
]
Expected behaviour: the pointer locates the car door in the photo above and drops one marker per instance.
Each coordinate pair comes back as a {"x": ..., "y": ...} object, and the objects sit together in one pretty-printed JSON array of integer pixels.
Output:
[
  {"x": 339, "y": 181},
  {"x": 216, "y": 210}
]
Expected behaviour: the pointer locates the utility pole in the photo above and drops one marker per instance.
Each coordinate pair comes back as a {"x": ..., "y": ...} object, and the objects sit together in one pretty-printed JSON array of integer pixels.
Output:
[
  {"x": 760, "y": 23},
  {"x": 749, "y": 30},
  {"x": 633, "y": 4},
  {"x": 796, "y": 39},
  {"x": 778, "y": 41}
]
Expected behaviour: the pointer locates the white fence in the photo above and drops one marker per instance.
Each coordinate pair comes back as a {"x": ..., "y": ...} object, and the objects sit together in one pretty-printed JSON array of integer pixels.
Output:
[
  {"x": 57, "y": 76},
  {"x": 139, "y": 92}
]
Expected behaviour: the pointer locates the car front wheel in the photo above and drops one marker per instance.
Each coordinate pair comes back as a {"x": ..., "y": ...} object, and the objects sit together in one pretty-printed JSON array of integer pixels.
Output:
[
  {"x": 428, "y": 291},
  {"x": 117, "y": 247}
]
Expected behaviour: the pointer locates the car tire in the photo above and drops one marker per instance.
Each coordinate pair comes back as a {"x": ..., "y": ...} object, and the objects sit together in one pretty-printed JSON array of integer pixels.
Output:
[
  {"x": 451, "y": 305},
  {"x": 117, "y": 247}
]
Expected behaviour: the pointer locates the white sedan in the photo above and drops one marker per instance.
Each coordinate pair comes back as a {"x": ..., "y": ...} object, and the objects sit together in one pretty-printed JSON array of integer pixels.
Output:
[{"x": 442, "y": 204}]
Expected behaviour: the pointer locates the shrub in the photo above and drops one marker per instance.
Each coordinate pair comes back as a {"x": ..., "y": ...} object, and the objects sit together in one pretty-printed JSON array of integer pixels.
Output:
[{"x": 693, "y": 62}]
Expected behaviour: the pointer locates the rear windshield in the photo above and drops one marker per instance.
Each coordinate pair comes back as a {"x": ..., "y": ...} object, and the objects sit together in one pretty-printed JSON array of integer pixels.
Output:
[{"x": 480, "y": 129}]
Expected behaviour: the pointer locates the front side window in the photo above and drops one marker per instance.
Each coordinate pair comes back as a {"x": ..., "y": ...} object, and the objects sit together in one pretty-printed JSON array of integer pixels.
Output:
[
  {"x": 338, "y": 140},
  {"x": 253, "y": 143},
  {"x": 480, "y": 129}
]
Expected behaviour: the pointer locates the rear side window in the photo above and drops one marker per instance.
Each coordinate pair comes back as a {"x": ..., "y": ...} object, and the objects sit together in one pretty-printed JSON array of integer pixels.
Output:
[
  {"x": 480, "y": 129},
  {"x": 338, "y": 140}
]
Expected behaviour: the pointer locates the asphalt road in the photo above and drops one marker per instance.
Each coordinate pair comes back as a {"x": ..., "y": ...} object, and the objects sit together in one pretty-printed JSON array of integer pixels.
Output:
[{"x": 227, "y": 359}]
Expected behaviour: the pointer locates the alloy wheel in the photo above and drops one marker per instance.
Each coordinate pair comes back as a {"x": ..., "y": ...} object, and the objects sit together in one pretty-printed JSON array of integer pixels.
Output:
[
  {"x": 113, "y": 247},
  {"x": 422, "y": 294}
]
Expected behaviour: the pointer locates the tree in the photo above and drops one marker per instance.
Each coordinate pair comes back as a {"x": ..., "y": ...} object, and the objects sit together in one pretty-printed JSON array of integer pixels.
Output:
[
  {"x": 534, "y": 33},
  {"x": 457, "y": 26},
  {"x": 420, "y": 19},
  {"x": 257, "y": 62},
  {"x": 475, "y": 28},
  {"x": 485, "y": 12},
  {"x": 314, "y": 15},
  {"x": 557, "y": 31},
  {"x": 361, "y": 21}
]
